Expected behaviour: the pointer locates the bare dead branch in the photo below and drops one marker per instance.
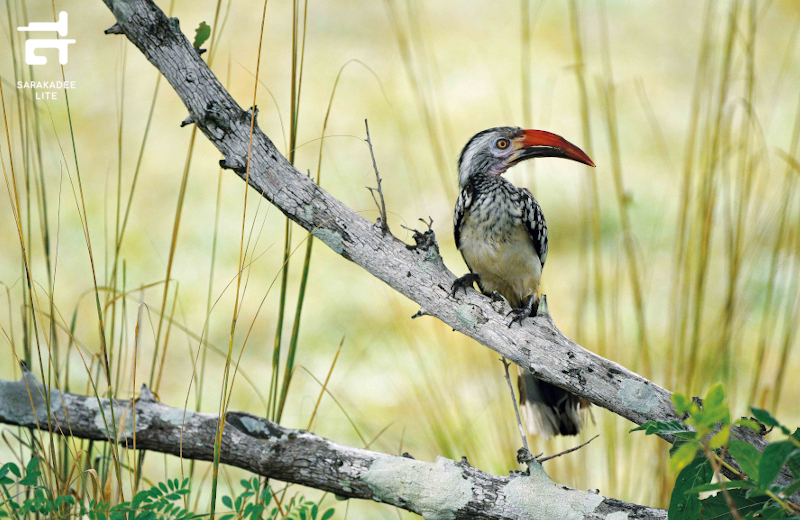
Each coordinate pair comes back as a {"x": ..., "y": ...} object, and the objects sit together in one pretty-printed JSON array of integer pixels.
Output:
[
  {"x": 379, "y": 189},
  {"x": 440, "y": 489}
]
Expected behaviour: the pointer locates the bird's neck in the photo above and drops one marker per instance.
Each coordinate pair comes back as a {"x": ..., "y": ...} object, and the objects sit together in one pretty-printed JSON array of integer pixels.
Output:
[{"x": 483, "y": 182}]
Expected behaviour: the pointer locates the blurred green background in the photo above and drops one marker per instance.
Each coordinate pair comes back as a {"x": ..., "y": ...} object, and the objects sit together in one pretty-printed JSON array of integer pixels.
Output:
[{"x": 677, "y": 257}]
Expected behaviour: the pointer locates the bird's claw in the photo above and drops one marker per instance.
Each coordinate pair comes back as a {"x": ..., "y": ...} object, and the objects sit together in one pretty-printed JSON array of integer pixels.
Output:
[
  {"x": 462, "y": 283},
  {"x": 529, "y": 311},
  {"x": 524, "y": 456},
  {"x": 496, "y": 297},
  {"x": 519, "y": 315}
]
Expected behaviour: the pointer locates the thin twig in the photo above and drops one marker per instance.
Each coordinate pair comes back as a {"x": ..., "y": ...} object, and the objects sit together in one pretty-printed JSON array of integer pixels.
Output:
[
  {"x": 516, "y": 407},
  {"x": 576, "y": 448},
  {"x": 382, "y": 205}
]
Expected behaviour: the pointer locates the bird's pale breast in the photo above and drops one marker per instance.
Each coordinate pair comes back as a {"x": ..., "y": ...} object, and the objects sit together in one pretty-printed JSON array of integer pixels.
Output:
[{"x": 501, "y": 251}]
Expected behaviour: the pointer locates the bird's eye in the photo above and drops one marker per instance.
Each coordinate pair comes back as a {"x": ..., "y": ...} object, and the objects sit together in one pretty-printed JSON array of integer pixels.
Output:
[{"x": 502, "y": 143}]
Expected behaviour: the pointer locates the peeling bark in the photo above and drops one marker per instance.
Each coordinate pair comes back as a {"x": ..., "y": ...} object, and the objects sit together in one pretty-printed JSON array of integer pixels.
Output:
[{"x": 440, "y": 490}]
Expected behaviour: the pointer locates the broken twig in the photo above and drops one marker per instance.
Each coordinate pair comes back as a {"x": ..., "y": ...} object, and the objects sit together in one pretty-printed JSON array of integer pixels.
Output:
[
  {"x": 382, "y": 205},
  {"x": 576, "y": 448}
]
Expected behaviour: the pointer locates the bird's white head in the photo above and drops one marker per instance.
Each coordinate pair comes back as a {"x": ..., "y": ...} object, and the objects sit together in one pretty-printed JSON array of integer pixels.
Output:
[{"x": 495, "y": 150}]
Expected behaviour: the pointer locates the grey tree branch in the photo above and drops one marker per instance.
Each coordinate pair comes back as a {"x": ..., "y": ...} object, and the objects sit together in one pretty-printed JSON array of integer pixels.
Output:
[
  {"x": 415, "y": 271},
  {"x": 443, "y": 489}
]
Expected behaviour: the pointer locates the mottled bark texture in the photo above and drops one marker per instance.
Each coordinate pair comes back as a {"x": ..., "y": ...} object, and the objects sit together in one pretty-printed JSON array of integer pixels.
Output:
[
  {"x": 443, "y": 489},
  {"x": 415, "y": 271}
]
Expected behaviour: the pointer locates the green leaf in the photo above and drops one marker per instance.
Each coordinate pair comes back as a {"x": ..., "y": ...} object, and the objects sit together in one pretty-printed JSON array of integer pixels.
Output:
[
  {"x": 141, "y": 496},
  {"x": 683, "y": 404},
  {"x": 792, "y": 489},
  {"x": 664, "y": 428},
  {"x": 253, "y": 510},
  {"x": 716, "y": 508},
  {"x": 715, "y": 396},
  {"x": 641, "y": 428},
  {"x": 771, "y": 512},
  {"x": 683, "y": 506},
  {"x": 266, "y": 496},
  {"x": 13, "y": 468},
  {"x": 767, "y": 419},
  {"x": 747, "y": 456},
  {"x": 227, "y": 501},
  {"x": 683, "y": 456},
  {"x": 720, "y": 438},
  {"x": 64, "y": 500},
  {"x": 747, "y": 423},
  {"x": 715, "y": 414},
  {"x": 202, "y": 33},
  {"x": 794, "y": 462},
  {"x": 32, "y": 464},
  {"x": 30, "y": 479},
  {"x": 716, "y": 486},
  {"x": 772, "y": 460}
]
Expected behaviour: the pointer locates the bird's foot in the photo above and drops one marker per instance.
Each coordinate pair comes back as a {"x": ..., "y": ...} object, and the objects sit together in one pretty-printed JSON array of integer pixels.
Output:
[
  {"x": 496, "y": 297},
  {"x": 462, "y": 283},
  {"x": 529, "y": 311},
  {"x": 524, "y": 456}
]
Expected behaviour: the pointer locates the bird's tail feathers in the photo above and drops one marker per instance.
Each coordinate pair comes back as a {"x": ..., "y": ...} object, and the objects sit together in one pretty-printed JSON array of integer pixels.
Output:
[{"x": 548, "y": 410}]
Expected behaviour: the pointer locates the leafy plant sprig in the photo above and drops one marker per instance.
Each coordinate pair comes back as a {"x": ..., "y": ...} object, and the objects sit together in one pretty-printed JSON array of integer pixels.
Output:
[
  {"x": 703, "y": 439},
  {"x": 161, "y": 502}
]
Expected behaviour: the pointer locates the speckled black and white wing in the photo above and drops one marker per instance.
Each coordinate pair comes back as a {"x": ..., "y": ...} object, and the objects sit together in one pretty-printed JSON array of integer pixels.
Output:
[
  {"x": 534, "y": 221},
  {"x": 462, "y": 205}
]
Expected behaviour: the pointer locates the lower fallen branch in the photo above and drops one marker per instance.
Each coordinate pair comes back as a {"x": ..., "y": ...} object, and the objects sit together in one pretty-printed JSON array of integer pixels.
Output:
[{"x": 443, "y": 489}]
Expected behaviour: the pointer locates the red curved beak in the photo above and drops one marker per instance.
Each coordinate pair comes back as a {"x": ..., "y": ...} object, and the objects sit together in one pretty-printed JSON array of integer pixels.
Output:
[{"x": 538, "y": 143}]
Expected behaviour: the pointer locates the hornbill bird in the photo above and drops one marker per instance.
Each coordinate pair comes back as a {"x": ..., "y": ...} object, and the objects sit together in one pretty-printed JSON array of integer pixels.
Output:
[{"x": 502, "y": 235}]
